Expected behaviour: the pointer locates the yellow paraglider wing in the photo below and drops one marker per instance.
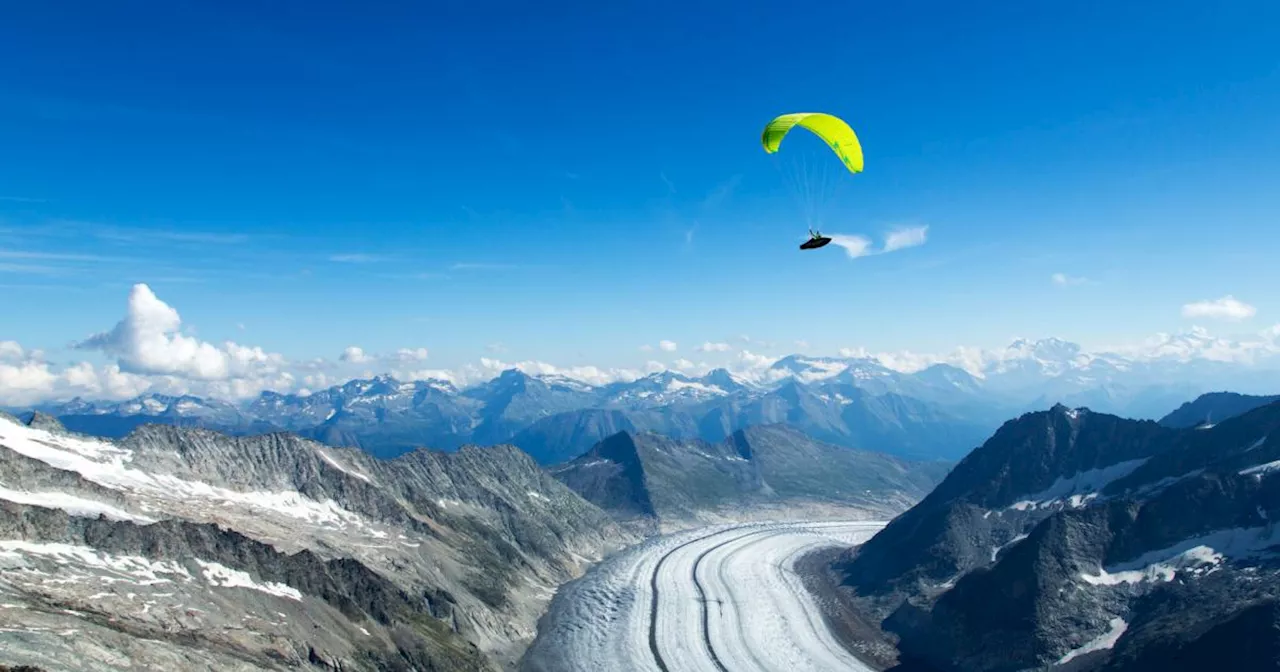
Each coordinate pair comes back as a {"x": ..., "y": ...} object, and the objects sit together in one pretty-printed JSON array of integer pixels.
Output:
[{"x": 832, "y": 130}]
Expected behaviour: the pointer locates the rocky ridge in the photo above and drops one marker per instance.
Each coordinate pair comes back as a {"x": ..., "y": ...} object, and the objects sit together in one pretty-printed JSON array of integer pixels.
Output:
[{"x": 179, "y": 546}]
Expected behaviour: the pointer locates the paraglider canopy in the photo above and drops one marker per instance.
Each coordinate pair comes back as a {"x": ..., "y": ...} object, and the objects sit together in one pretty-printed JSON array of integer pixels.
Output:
[{"x": 832, "y": 130}]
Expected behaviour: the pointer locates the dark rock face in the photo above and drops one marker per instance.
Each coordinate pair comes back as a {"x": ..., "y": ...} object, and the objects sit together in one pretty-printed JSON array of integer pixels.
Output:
[
  {"x": 1214, "y": 407},
  {"x": 1085, "y": 541},
  {"x": 185, "y": 546},
  {"x": 651, "y": 476}
]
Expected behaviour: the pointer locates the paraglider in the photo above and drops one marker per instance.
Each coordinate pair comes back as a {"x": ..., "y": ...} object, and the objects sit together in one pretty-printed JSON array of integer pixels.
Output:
[
  {"x": 815, "y": 241},
  {"x": 836, "y": 134}
]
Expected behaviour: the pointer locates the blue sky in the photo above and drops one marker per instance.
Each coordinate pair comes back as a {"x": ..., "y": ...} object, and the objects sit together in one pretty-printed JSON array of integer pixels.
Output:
[{"x": 575, "y": 180}]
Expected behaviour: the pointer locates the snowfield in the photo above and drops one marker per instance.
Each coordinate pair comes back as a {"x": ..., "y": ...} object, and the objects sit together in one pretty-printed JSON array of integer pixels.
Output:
[{"x": 716, "y": 599}]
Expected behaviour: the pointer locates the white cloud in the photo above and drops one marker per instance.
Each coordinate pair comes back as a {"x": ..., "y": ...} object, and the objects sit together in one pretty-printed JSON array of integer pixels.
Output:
[
  {"x": 354, "y": 354},
  {"x": 1064, "y": 280},
  {"x": 899, "y": 239},
  {"x": 148, "y": 341},
  {"x": 802, "y": 344},
  {"x": 903, "y": 238},
  {"x": 588, "y": 374},
  {"x": 411, "y": 355},
  {"x": 1225, "y": 308},
  {"x": 854, "y": 246},
  {"x": 426, "y": 374},
  {"x": 25, "y": 382},
  {"x": 714, "y": 347},
  {"x": 667, "y": 346},
  {"x": 752, "y": 361},
  {"x": 11, "y": 351},
  {"x": 30, "y": 379},
  {"x": 646, "y": 348}
]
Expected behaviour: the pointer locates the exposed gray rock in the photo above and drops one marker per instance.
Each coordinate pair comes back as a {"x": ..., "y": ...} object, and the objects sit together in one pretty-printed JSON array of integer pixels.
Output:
[
  {"x": 649, "y": 477},
  {"x": 1082, "y": 541},
  {"x": 181, "y": 546}
]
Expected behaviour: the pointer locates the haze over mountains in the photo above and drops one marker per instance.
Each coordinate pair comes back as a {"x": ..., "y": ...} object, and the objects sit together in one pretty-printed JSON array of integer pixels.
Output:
[
  {"x": 940, "y": 411},
  {"x": 1088, "y": 541}
]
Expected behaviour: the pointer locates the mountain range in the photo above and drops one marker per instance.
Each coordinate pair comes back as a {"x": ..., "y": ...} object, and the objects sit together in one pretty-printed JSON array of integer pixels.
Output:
[
  {"x": 941, "y": 411},
  {"x": 756, "y": 472},
  {"x": 1078, "y": 540},
  {"x": 181, "y": 547}
]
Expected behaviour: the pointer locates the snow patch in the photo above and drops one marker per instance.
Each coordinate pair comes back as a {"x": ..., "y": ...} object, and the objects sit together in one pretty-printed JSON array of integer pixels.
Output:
[
  {"x": 1079, "y": 489},
  {"x": 329, "y": 458},
  {"x": 1104, "y": 641},
  {"x": 1198, "y": 555},
  {"x": 75, "y": 506},
  {"x": 676, "y": 385},
  {"x": 144, "y": 570},
  {"x": 105, "y": 463},
  {"x": 225, "y": 577},
  {"x": 995, "y": 550},
  {"x": 1261, "y": 469}
]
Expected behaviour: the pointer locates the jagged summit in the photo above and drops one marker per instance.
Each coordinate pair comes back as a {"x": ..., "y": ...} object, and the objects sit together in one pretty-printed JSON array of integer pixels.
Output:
[{"x": 1103, "y": 522}]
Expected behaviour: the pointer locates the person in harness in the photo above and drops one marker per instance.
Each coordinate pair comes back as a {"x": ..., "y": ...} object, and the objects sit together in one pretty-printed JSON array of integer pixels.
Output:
[{"x": 815, "y": 241}]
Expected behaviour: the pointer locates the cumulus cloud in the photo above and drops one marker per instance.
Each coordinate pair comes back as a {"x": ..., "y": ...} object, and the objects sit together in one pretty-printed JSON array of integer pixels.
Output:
[
  {"x": 25, "y": 381},
  {"x": 25, "y": 378},
  {"x": 752, "y": 360},
  {"x": 1064, "y": 280},
  {"x": 354, "y": 354},
  {"x": 646, "y": 348},
  {"x": 411, "y": 354},
  {"x": 714, "y": 347},
  {"x": 11, "y": 351},
  {"x": 802, "y": 344},
  {"x": 148, "y": 341},
  {"x": 667, "y": 346},
  {"x": 1225, "y": 308}
]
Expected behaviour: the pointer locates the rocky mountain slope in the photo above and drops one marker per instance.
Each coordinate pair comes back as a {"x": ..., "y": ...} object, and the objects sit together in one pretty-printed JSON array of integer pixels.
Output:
[
  {"x": 185, "y": 547},
  {"x": 1082, "y": 541},
  {"x": 655, "y": 480},
  {"x": 1214, "y": 407}
]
